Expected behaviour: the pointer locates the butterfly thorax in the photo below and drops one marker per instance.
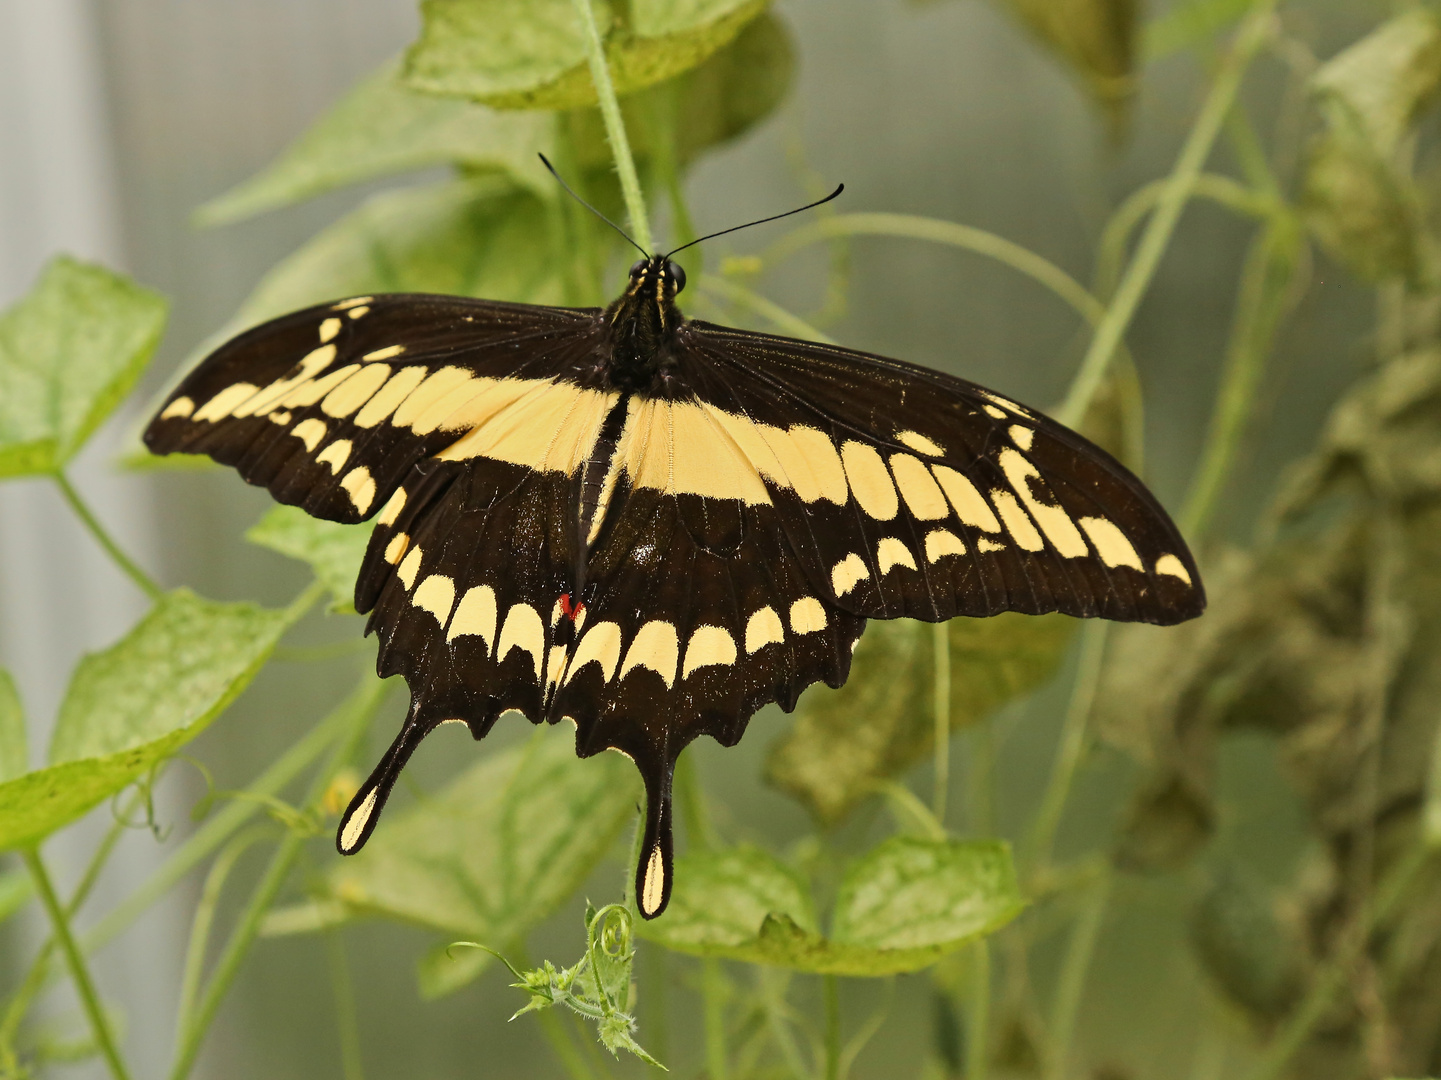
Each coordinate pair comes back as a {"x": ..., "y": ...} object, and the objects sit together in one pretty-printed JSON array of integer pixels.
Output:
[{"x": 642, "y": 323}]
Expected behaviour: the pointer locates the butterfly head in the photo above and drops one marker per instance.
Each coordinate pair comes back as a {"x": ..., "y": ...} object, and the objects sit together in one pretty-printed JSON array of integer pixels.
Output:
[{"x": 658, "y": 276}]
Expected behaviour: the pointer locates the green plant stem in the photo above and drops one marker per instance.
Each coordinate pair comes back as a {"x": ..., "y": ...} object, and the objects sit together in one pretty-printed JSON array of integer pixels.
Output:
[
  {"x": 1072, "y": 747},
  {"x": 982, "y": 780},
  {"x": 830, "y": 986},
  {"x": 978, "y": 1012},
  {"x": 1265, "y": 287},
  {"x": 713, "y": 994},
  {"x": 36, "y": 977},
  {"x": 941, "y": 704},
  {"x": 774, "y": 313},
  {"x": 1327, "y": 982},
  {"x": 966, "y": 237},
  {"x": 347, "y": 1022},
  {"x": 79, "y": 974},
  {"x": 362, "y": 702},
  {"x": 203, "y": 920},
  {"x": 1074, "y": 971},
  {"x": 1111, "y": 250},
  {"x": 1162, "y": 224},
  {"x": 232, "y": 817},
  {"x": 690, "y": 800},
  {"x": 127, "y": 565},
  {"x": 910, "y": 808},
  {"x": 614, "y": 127}
]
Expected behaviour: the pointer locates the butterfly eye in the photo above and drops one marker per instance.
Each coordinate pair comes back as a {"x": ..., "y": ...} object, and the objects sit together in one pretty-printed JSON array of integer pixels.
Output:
[
  {"x": 637, "y": 267},
  {"x": 676, "y": 274}
]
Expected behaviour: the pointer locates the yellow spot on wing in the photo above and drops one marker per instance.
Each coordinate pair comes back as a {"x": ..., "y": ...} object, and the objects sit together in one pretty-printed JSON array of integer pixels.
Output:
[
  {"x": 999, "y": 414},
  {"x": 181, "y": 406},
  {"x": 942, "y": 542},
  {"x": 475, "y": 616},
  {"x": 311, "y": 365},
  {"x": 807, "y": 616},
  {"x": 396, "y": 548},
  {"x": 310, "y": 432},
  {"x": 1017, "y": 523},
  {"x": 709, "y": 646},
  {"x": 890, "y": 552},
  {"x": 393, "y": 506},
  {"x": 762, "y": 629},
  {"x": 600, "y": 645},
  {"x": 357, "y": 312},
  {"x": 986, "y": 544},
  {"x": 653, "y": 890},
  {"x": 389, "y": 396},
  {"x": 309, "y": 393},
  {"x": 522, "y": 630},
  {"x": 436, "y": 595},
  {"x": 410, "y": 567},
  {"x": 355, "y": 824},
  {"x": 1054, "y": 521},
  {"x": 438, "y": 385},
  {"x": 360, "y": 486},
  {"x": 328, "y": 329},
  {"x": 225, "y": 402},
  {"x": 918, "y": 442},
  {"x": 354, "y": 301},
  {"x": 809, "y": 463},
  {"x": 848, "y": 573},
  {"x": 544, "y": 425},
  {"x": 355, "y": 391},
  {"x": 335, "y": 455},
  {"x": 1173, "y": 567},
  {"x": 923, "y": 498},
  {"x": 385, "y": 353},
  {"x": 1111, "y": 543},
  {"x": 969, "y": 504},
  {"x": 870, "y": 481},
  {"x": 656, "y": 647},
  {"x": 681, "y": 448},
  {"x": 1022, "y": 435}
]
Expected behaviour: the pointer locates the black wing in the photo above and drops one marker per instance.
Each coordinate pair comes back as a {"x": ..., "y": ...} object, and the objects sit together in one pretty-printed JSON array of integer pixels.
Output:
[
  {"x": 329, "y": 408},
  {"x": 906, "y": 492}
]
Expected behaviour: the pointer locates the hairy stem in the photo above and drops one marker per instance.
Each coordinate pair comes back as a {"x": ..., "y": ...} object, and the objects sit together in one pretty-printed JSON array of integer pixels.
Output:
[
  {"x": 1162, "y": 225},
  {"x": 831, "y": 989},
  {"x": 127, "y": 565},
  {"x": 614, "y": 127},
  {"x": 79, "y": 973},
  {"x": 347, "y": 1023}
]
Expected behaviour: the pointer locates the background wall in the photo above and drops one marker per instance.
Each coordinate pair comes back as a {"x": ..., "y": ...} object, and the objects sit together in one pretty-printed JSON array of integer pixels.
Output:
[{"x": 118, "y": 117}]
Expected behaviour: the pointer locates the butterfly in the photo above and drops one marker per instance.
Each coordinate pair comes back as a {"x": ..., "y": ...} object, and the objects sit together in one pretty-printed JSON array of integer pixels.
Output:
[{"x": 650, "y": 525}]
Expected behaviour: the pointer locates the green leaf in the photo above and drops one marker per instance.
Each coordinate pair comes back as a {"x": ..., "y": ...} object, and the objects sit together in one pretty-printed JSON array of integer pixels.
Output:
[
  {"x": 900, "y": 907},
  {"x": 1360, "y": 200},
  {"x": 881, "y": 722},
  {"x": 1096, "y": 38},
  {"x": 1388, "y": 78},
  {"x": 334, "y": 551},
  {"x": 531, "y": 54},
  {"x": 383, "y": 127},
  {"x": 70, "y": 351},
  {"x": 135, "y": 703},
  {"x": 14, "y": 748},
  {"x": 1190, "y": 23},
  {"x": 493, "y": 853}
]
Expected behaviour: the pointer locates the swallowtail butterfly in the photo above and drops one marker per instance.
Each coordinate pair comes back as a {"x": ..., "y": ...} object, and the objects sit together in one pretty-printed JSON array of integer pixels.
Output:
[{"x": 652, "y": 525}]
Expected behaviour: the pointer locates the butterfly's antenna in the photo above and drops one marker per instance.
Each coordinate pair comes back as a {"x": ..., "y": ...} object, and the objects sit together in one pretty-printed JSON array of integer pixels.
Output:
[
  {"x": 546, "y": 162},
  {"x": 762, "y": 221}
]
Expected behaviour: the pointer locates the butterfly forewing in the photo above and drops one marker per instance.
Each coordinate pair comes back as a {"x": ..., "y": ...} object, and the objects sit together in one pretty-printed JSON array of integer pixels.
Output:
[{"x": 656, "y": 562}]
